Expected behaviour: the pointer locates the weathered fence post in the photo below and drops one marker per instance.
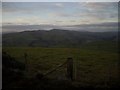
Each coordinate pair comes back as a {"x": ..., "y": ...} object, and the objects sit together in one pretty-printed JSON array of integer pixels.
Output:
[
  {"x": 26, "y": 62},
  {"x": 70, "y": 69}
]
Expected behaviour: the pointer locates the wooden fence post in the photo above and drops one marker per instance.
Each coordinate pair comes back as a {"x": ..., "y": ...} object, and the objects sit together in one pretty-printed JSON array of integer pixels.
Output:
[
  {"x": 70, "y": 69},
  {"x": 26, "y": 62}
]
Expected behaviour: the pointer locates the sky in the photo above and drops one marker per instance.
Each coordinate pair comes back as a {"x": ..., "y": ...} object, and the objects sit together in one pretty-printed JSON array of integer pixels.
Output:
[
  {"x": 60, "y": 0},
  {"x": 65, "y": 14},
  {"x": 95, "y": 16}
]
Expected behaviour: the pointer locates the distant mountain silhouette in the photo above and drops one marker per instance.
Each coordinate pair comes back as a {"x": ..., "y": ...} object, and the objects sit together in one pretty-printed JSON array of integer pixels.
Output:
[{"x": 55, "y": 38}]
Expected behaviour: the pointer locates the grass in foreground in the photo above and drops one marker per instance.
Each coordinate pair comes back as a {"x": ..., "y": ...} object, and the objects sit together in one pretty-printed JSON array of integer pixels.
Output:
[{"x": 93, "y": 67}]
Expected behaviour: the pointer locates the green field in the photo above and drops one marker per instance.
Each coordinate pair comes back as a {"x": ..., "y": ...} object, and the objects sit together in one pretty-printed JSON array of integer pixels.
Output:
[{"x": 95, "y": 68}]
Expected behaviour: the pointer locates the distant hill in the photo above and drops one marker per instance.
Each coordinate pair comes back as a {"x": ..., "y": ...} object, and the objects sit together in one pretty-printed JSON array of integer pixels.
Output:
[{"x": 56, "y": 38}]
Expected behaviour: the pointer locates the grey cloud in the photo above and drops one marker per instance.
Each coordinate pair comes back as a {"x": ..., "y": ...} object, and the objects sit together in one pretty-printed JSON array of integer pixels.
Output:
[
  {"x": 102, "y": 27},
  {"x": 72, "y": 20},
  {"x": 59, "y": 21},
  {"x": 101, "y": 10},
  {"x": 28, "y": 6},
  {"x": 12, "y": 7},
  {"x": 101, "y": 5}
]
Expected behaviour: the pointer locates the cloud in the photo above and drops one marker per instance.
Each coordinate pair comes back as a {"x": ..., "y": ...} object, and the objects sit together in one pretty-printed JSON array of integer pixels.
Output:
[
  {"x": 99, "y": 27},
  {"x": 59, "y": 5},
  {"x": 59, "y": 13},
  {"x": 30, "y": 6},
  {"x": 59, "y": 21},
  {"x": 32, "y": 20},
  {"x": 99, "y": 5},
  {"x": 13, "y": 7}
]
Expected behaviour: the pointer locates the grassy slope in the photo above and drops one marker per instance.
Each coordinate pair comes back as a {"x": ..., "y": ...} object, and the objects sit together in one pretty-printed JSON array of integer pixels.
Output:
[
  {"x": 93, "y": 67},
  {"x": 108, "y": 46}
]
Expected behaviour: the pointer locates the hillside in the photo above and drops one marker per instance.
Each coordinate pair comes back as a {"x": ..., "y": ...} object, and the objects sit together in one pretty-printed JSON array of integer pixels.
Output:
[
  {"x": 94, "y": 54},
  {"x": 56, "y": 38}
]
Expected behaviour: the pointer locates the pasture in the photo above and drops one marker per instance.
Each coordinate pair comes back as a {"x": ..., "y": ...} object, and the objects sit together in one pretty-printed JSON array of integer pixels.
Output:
[{"x": 94, "y": 68}]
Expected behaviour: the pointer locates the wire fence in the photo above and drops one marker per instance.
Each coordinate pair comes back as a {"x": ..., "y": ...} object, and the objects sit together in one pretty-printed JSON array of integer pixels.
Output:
[{"x": 68, "y": 67}]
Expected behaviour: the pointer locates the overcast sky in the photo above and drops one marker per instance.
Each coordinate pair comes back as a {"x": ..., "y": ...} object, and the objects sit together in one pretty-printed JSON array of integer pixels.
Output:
[{"x": 59, "y": 13}]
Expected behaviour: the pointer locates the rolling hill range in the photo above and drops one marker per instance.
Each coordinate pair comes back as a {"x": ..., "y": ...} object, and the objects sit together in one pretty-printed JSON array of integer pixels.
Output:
[
  {"x": 95, "y": 57},
  {"x": 56, "y": 38}
]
